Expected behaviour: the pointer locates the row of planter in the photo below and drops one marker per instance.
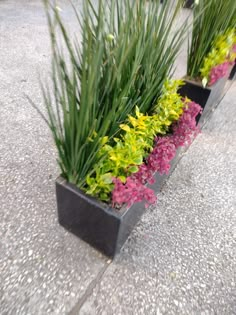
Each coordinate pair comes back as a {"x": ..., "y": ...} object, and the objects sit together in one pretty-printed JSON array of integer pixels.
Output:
[
  {"x": 207, "y": 97},
  {"x": 104, "y": 227},
  {"x": 118, "y": 120}
]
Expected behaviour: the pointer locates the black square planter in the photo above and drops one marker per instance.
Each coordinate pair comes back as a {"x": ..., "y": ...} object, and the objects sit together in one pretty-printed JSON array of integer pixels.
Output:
[
  {"x": 207, "y": 98},
  {"x": 93, "y": 221},
  {"x": 101, "y": 226}
]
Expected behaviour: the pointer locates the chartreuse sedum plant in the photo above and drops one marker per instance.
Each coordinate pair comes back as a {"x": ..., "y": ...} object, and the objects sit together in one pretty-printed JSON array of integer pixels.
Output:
[
  {"x": 136, "y": 141},
  {"x": 126, "y": 53},
  {"x": 211, "y": 40}
]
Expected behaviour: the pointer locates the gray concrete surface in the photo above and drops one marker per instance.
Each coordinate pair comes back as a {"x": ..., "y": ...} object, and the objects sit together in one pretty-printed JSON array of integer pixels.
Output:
[
  {"x": 43, "y": 269},
  {"x": 181, "y": 258}
]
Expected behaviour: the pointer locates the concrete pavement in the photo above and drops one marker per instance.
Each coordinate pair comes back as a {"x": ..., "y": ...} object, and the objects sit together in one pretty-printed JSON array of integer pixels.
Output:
[{"x": 180, "y": 259}]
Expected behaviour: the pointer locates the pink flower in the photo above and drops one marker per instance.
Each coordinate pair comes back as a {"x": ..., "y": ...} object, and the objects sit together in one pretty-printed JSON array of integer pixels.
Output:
[
  {"x": 218, "y": 72},
  {"x": 131, "y": 192},
  {"x": 185, "y": 129}
]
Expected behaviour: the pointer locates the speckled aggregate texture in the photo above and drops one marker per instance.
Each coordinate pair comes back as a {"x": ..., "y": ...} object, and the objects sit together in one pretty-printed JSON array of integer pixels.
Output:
[
  {"x": 43, "y": 269},
  {"x": 180, "y": 259}
]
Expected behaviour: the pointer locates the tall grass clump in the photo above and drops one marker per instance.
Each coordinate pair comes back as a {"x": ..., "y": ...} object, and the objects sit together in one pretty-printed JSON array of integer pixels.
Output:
[
  {"x": 211, "y": 18},
  {"x": 127, "y": 51}
]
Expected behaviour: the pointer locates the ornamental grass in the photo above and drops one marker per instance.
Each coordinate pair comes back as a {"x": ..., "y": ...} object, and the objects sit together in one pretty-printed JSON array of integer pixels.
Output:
[{"x": 127, "y": 51}]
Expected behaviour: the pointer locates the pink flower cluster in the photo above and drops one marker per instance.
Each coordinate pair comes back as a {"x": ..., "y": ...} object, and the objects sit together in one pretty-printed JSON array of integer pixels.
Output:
[
  {"x": 218, "y": 72},
  {"x": 160, "y": 157},
  {"x": 185, "y": 129},
  {"x": 134, "y": 189},
  {"x": 131, "y": 192}
]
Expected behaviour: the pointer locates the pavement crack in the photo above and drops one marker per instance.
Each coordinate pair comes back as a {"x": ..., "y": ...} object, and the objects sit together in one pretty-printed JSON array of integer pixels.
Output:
[{"x": 75, "y": 310}]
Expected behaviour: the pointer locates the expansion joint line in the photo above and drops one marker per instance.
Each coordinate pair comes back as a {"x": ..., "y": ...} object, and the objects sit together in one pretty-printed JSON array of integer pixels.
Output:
[{"x": 76, "y": 309}]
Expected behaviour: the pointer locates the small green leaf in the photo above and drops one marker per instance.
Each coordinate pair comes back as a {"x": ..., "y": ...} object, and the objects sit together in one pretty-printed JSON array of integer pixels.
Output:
[
  {"x": 107, "y": 178},
  {"x": 133, "y": 169},
  {"x": 138, "y": 160},
  {"x": 122, "y": 178},
  {"x": 89, "y": 180},
  {"x": 104, "y": 197},
  {"x": 125, "y": 127}
]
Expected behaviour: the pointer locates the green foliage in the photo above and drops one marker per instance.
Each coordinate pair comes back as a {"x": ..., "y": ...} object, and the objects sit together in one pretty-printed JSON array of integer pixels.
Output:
[
  {"x": 128, "y": 49},
  {"x": 135, "y": 142},
  {"x": 210, "y": 18},
  {"x": 221, "y": 49},
  {"x": 170, "y": 106}
]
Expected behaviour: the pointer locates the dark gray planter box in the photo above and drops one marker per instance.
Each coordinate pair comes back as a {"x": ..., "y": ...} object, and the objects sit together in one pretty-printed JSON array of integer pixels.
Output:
[
  {"x": 101, "y": 226},
  {"x": 207, "y": 98}
]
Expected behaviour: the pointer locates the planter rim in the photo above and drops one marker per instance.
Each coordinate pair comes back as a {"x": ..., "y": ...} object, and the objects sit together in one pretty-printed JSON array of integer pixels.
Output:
[
  {"x": 198, "y": 83},
  {"x": 108, "y": 209}
]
